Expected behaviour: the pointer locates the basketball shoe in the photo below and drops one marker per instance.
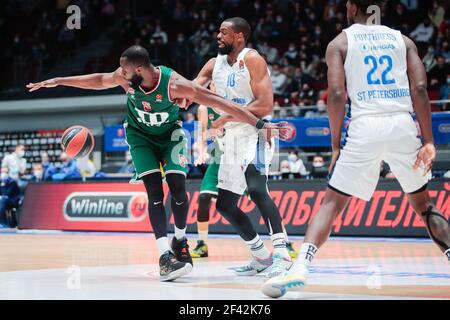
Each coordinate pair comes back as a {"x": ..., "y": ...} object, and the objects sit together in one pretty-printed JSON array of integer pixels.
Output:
[
  {"x": 181, "y": 249},
  {"x": 293, "y": 280},
  {"x": 170, "y": 268},
  {"x": 201, "y": 250}
]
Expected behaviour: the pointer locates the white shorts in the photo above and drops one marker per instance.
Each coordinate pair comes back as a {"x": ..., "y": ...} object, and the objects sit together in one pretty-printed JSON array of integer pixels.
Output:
[
  {"x": 370, "y": 140},
  {"x": 242, "y": 147}
]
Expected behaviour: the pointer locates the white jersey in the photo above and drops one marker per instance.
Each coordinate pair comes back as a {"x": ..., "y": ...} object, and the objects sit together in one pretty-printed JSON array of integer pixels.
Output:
[
  {"x": 375, "y": 70},
  {"x": 233, "y": 83}
]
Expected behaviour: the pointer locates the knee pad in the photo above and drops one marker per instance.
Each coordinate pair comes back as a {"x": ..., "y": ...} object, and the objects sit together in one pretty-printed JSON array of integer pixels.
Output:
[{"x": 177, "y": 186}]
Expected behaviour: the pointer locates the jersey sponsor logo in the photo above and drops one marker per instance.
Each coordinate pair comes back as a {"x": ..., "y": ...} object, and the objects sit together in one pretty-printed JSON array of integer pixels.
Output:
[
  {"x": 152, "y": 119},
  {"x": 182, "y": 160},
  {"x": 147, "y": 106},
  {"x": 384, "y": 46},
  {"x": 240, "y": 101},
  {"x": 241, "y": 65},
  {"x": 159, "y": 98}
]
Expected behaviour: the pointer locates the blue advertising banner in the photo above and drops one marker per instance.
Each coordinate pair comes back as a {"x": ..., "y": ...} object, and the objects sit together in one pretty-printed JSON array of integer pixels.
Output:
[{"x": 310, "y": 133}]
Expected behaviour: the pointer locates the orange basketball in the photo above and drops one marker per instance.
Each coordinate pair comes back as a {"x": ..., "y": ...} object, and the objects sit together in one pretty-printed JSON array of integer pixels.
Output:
[{"x": 77, "y": 141}]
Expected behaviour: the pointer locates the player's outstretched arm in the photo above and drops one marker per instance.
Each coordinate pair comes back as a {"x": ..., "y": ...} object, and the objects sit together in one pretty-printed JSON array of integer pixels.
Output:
[
  {"x": 421, "y": 104},
  {"x": 95, "y": 81},
  {"x": 336, "y": 91},
  {"x": 205, "y": 75},
  {"x": 181, "y": 88}
]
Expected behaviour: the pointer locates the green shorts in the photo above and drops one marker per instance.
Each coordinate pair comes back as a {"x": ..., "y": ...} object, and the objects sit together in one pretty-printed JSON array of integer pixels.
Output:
[
  {"x": 150, "y": 153},
  {"x": 210, "y": 180}
]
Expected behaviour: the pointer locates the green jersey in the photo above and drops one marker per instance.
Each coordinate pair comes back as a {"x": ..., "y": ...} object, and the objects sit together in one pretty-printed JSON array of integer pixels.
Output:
[
  {"x": 212, "y": 116},
  {"x": 153, "y": 112}
]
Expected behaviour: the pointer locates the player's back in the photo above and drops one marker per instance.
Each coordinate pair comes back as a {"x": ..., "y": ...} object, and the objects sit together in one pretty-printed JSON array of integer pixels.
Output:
[{"x": 376, "y": 71}]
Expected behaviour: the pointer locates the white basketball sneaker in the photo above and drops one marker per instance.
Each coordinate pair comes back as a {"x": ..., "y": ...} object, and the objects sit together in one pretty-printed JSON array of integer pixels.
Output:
[
  {"x": 254, "y": 267},
  {"x": 293, "y": 280},
  {"x": 280, "y": 266}
]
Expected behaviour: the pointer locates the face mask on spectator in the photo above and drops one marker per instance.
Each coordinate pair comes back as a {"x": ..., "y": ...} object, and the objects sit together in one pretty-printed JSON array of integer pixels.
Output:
[
  {"x": 317, "y": 163},
  {"x": 292, "y": 157},
  {"x": 38, "y": 174},
  {"x": 20, "y": 153}
]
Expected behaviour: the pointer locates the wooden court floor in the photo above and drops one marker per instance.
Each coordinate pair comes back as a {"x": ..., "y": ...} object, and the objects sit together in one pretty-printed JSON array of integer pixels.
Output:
[{"x": 124, "y": 266}]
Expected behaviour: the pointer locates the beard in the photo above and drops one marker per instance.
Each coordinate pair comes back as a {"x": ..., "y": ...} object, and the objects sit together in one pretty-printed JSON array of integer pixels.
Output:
[
  {"x": 226, "y": 49},
  {"x": 136, "y": 80}
]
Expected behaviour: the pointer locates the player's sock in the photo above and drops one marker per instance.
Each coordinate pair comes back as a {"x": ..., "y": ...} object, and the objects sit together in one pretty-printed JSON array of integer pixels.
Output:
[
  {"x": 285, "y": 234},
  {"x": 279, "y": 245},
  {"x": 163, "y": 245},
  {"x": 258, "y": 248},
  {"x": 180, "y": 233},
  {"x": 306, "y": 254},
  {"x": 447, "y": 253},
  {"x": 203, "y": 230}
]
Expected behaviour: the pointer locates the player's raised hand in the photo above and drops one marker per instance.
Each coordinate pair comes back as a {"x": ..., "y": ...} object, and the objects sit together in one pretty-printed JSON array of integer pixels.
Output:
[
  {"x": 426, "y": 155},
  {"x": 203, "y": 157},
  {"x": 221, "y": 121},
  {"x": 50, "y": 83}
]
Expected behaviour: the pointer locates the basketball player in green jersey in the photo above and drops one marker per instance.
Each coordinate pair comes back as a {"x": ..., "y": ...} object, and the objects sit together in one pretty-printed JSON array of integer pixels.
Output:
[{"x": 155, "y": 137}]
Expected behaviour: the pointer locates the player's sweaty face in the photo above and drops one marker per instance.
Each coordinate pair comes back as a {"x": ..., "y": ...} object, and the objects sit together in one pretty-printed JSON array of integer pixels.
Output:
[{"x": 225, "y": 38}]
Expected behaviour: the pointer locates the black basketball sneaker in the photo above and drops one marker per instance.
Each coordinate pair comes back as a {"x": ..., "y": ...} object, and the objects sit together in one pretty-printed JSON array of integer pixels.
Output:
[
  {"x": 181, "y": 250},
  {"x": 170, "y": 268}
]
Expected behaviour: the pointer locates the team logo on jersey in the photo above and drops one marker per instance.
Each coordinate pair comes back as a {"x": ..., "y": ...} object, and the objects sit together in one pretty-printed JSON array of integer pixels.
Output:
[
  {"x": 159, "y": 97},
  {"x": 130, "y": 91},
  {"x": 147, "y": 106},
  {"x": 182, "y": 160},
  {"x": 211, "y": 117},
  {"x": 241, "y": 65}
]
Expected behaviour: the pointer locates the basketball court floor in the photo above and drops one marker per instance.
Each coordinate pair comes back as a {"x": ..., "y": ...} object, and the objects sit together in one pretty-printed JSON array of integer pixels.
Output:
[{"x": 76, "y": 265}]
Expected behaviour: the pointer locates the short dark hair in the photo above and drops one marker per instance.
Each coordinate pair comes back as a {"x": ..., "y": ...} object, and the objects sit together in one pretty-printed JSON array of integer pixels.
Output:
[
  {"x": 137, "y": 55},
  {"x": 241, "y": 25},
  {"x": 364, "y": 4}
]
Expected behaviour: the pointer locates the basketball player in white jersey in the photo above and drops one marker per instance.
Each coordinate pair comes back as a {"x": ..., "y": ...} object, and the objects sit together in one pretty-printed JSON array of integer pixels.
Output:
[
  {"x": 386, "y": 82},
  {"x": 241, "y": 75}
]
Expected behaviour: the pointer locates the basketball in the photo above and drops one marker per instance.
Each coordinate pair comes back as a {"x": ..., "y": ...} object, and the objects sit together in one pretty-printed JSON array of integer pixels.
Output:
[
  {"x": 288, "y": 132},
  {"x": 77, "y": 141}
]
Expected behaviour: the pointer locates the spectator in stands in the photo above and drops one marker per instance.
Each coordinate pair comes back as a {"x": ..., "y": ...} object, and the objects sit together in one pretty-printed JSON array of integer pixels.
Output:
[
  {"x": 438, "y": 75},
  {"x": 437, "y": 14},
  {"x": 320, "y": 112},
  {"x": 37, "y": 172},
  {"x": 271, "y": 53},
  {"x": 160, "y": 33},
  {"x": 292, "y": 54},
  {"x": 86, "y": 167},
  {"x": 128, "y": 166},
  {"x": 279, "y": 81},
  {"x": 296, "y": 165},
  {"x": 429, "y": 60},
  {"x": 16, "y": 163},
  {"x": 285, "y": 169},
  {"x": 9, "y": 195},
  {"x": 445, "y": 51},
  {"x": 319, "y": 170},
  {"x": 445, "y": 90},
  {"x": 423, "y": 34},
  {"x": 66, "y": 171},
  {"x": 46, "y": 165}
]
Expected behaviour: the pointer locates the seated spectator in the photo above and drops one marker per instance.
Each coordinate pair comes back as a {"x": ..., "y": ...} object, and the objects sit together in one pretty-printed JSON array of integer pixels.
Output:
[
  {"x": 445, "y": 90},
  {"x": 297, "y": 167},
  {"x": 320, "y": 112},
  {"x": 269, "y": 52},
  {"x": 429, "y": 60},
  {"x": 66, "y": 171},
  {"x": 128, "y": 166},
  {"x": 37, "y": 172},
  {"x": 9, "y": 195},
  {"x": 438, "y": 75},
  {"x": 16, "y": 165},
  {"x": 86, "y": 167},
  {"x": 279, "y": 81},
  {"x": 292, "y": 54},
  {"x": 46, "y": 165},
  {"x": 423, "y": 34},
  {"x": 285, "y": 169},
  {"x": 319, "y": 170}
]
